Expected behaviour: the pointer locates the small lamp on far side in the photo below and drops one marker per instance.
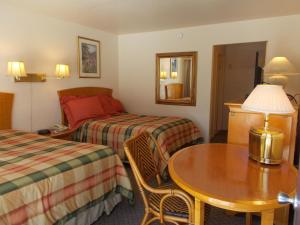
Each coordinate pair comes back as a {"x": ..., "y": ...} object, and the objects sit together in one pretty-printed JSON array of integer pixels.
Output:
[
  {"x": 278, "y": 70},
  {"x": 62, "y": 71}
]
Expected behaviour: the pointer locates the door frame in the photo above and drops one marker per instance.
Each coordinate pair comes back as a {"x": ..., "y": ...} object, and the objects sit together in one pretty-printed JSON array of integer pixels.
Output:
[{"x": 214, "y": 85}]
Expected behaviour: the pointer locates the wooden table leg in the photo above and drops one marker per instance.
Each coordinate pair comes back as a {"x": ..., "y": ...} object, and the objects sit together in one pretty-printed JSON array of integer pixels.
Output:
[
  {"x": 267, "y": 217},
  {"x": 199, "y": 212}
]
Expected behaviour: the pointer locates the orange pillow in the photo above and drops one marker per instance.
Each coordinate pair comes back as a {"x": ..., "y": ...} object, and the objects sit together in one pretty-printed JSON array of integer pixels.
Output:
[
  {"x": 106, "y": 102},
  {"x": 117, "y": 105},
  {"x": 64, "y": 99},
  {"x": 81, "y": 109}
]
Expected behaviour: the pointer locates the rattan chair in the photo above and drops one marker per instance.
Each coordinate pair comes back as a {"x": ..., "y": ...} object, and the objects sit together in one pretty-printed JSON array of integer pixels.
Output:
[{"x": 166, "y": 203}]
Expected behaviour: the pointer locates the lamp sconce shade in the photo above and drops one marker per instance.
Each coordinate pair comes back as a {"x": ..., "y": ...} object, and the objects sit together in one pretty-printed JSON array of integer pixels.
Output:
[
  {"x": 62, "y": 71},
  {"x": 174, "y": 75},
  {"x": 163, "y": 75},
  {"x": 268, "y": 99},
  {"x": 277, "y": 71},
  {"x": 279, "y": 65},
  {"x": 16, "y": 69}
]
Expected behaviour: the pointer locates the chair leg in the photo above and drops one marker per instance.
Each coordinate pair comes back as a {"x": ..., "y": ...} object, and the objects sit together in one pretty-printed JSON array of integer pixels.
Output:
[
  {"x": 144, "y": 220},
  {"x": 248, "y": 219},
  {"x": 207, "y": 209}
]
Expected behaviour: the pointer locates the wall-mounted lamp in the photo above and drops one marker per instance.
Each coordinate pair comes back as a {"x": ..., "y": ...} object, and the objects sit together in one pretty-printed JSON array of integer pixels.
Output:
[
  {"x": 278, "y": 70},
  {"x": 62, "y": 71},
  {"x": 174, "y": 75},
  {"x": 163, "y": 75},
  {"x": 17, "y": 70}
]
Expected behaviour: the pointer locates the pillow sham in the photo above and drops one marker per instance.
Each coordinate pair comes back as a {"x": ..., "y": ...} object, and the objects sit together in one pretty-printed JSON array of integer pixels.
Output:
[
  {"x": 111, "y": 105},
  {"x": 106, "y": 102},
  {"x": 79, "y": 109},
  {"x": 64, "y": 99},
  {"x": 118, "y": 106}
]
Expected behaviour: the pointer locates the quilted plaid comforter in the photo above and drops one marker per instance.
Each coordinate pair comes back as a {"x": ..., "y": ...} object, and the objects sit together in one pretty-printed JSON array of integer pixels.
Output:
[
  {"x": 171, "y": 133},
  {"x": 44, "y": 180}
]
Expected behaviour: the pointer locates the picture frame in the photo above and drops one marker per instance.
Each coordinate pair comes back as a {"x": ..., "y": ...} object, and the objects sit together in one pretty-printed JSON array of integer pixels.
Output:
[{"x": 89, "y": 61}]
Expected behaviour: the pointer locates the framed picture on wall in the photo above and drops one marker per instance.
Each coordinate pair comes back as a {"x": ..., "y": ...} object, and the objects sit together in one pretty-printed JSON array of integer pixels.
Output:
[{"x": 88, "y": 58}]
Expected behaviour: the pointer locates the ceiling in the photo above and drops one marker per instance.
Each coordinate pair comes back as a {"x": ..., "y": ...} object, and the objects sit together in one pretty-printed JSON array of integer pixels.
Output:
[{"x": 133, "y": 16}]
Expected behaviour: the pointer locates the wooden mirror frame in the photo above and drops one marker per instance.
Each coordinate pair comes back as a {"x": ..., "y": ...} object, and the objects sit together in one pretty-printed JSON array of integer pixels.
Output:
[{"x": 193, "y": 91}]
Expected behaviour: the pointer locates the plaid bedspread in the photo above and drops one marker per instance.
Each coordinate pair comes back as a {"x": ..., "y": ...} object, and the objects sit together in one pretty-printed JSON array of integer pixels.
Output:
[
  {"x": 42, "y": 179},
  {"x": 171, "y": 133}
]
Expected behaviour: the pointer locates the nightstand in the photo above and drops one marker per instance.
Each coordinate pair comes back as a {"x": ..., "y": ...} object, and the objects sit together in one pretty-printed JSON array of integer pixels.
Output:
[{"x": 64, "y": 135}]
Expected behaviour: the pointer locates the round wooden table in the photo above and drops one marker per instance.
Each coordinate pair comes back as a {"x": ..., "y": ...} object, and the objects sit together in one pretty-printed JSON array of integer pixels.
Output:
[{"x": 222, "y": 175}]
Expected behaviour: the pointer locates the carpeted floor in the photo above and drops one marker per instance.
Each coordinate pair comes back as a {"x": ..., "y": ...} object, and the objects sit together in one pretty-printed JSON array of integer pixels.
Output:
[
  {"x": 220, "y": 137},
  {"x": 126, "y": 214}
]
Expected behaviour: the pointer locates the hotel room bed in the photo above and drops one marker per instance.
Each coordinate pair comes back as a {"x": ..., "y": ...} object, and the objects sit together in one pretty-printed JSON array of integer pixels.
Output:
[
  {"x": 50, "y": 181},
  {"x": 171, "y": 133}
]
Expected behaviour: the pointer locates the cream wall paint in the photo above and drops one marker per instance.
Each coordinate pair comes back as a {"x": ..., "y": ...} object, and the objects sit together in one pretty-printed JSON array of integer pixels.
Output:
[
  {"x": 42, "y": 42},
  {"x": 137, "y": 60}
]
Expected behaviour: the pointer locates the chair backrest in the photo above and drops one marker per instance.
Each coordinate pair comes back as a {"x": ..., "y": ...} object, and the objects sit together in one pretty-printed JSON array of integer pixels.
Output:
[
  {"x": 141, "y": 159},
  {"x": 174, "y": 91}
]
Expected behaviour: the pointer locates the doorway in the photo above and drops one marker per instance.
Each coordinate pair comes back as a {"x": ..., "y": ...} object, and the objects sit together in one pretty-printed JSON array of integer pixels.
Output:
[{"x": 237, "y": 69}]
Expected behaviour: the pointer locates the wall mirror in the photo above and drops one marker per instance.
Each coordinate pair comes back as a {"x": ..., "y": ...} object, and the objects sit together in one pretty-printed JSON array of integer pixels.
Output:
[{"x": 176, "y": 78}]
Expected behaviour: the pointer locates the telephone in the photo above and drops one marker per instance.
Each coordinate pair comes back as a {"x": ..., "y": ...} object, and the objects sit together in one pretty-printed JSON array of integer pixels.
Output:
[{"x": 59, "y": 127}]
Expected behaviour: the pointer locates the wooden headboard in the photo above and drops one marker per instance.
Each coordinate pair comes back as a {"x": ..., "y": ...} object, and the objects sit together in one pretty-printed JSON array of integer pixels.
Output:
[
  {"x": 81, "y": 91},
  {"x": 6, "y": 104}
]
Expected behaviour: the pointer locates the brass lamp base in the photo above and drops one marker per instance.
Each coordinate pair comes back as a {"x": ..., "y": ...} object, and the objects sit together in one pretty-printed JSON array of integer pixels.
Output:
[{"x": 266, "y": 145}]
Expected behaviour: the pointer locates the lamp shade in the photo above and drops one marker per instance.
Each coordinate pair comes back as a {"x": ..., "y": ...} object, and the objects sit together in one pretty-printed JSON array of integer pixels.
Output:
[
  {"x": 62, "y": 70},
  {"x": 268, "y": 99},
  {"x": 163, "y": 75},
  {"x": 16, "y": 69},
  {"x": 174, "y": 75},
  {"x": 279, "y": 65}
]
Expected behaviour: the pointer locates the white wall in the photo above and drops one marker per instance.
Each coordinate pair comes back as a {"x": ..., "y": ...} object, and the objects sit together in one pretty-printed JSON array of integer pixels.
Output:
[
  {"x": 137, "y": 60},
  {"x": 42, "y": 42}
]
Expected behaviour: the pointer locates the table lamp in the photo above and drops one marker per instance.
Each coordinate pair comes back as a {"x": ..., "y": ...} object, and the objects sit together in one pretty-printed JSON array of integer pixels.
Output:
[
  {"x": 266, "y": 143},
  {"x": 278, "y": 70}
]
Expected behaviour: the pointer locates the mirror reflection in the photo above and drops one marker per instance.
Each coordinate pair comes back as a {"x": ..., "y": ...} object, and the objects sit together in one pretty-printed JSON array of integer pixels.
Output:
[{"x": 176, "y": 78}]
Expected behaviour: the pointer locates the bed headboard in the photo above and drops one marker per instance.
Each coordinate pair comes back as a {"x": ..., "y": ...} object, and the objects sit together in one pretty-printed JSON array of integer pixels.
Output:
[
  {"x": 6, "y": 104},
  {"x": 81, "y": 91}
]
